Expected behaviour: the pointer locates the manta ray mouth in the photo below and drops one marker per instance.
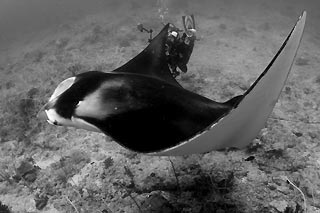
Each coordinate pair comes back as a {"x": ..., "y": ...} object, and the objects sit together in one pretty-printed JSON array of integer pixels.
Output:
[{"x": 43, "y": 115}]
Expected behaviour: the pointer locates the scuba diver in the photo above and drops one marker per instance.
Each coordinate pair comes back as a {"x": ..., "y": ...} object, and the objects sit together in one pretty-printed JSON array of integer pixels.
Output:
[{"x": 179, "y": 45}]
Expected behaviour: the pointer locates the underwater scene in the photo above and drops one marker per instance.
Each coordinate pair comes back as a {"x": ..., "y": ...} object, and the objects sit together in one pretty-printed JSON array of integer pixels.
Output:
[{"x": 160, "y": 106}]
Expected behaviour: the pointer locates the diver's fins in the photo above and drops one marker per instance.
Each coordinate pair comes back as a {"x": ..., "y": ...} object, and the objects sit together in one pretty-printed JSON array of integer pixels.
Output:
[{"x": 189, "y": 24}]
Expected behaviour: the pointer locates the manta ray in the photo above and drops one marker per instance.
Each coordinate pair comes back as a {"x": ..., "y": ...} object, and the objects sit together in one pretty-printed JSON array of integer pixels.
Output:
[{"x": 144, "y": 109}]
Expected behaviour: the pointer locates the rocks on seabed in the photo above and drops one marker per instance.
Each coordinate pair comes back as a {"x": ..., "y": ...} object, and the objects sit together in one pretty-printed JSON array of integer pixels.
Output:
[
  {"x": 156, "y": 203},
  {"x": 27, "y": 171},
  {"x": 280, "y": 205}
]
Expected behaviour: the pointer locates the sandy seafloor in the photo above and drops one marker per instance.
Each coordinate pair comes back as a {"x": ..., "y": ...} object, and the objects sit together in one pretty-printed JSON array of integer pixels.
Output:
[{"x": 44, "y": 168}]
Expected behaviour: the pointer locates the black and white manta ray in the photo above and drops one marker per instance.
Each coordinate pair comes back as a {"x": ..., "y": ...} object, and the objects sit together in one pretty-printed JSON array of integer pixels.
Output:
[{"x": 143, "y": 108}]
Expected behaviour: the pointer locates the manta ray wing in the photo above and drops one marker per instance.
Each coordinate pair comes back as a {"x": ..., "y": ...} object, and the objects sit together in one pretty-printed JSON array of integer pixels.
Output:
[
  {"x": 242, "y": 124},
  {"x": 152, "y": 60}
]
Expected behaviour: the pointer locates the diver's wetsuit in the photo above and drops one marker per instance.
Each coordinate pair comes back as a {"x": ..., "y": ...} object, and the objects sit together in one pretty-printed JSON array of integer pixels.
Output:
[{"x": 179, "y": 49}]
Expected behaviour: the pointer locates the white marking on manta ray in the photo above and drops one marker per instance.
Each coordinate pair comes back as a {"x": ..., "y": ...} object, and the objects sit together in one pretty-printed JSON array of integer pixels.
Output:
[
  {"x": 55, "y": 119},
  {"x": 80, "y": 123},
  {"x": 93, "y": 105}
]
